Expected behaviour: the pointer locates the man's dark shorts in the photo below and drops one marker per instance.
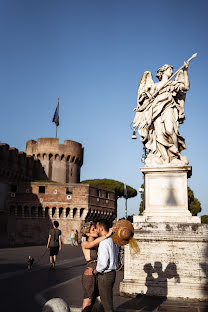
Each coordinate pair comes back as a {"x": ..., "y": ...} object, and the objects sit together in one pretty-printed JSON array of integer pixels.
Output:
[{"x": 54, "y": 251}]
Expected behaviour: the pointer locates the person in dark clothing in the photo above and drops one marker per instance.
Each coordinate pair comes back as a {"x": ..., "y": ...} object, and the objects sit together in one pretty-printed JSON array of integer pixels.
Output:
[
  {"x": 54, "y": 243},
  {"x": 76, "y": 236}
]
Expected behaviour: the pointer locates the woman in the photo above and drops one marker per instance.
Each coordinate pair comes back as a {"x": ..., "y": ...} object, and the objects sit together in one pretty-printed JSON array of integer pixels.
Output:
[{"x": 89, "y": 249}]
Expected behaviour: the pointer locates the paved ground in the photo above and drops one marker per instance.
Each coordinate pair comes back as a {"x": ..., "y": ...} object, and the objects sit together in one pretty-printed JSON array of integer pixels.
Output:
[{"x": 24, "y": 291}]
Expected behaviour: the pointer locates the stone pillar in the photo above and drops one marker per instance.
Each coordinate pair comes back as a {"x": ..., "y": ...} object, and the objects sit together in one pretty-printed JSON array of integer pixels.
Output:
[{"x": 166, "y": 195}]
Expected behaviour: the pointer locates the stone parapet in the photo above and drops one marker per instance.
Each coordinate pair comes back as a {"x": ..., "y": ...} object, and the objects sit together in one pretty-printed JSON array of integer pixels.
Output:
[{"x": 172, "y": 261}]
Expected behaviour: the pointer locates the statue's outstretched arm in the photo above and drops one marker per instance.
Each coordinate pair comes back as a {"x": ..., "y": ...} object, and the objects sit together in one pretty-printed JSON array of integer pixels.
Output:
[{"x": 186, "y": 78}]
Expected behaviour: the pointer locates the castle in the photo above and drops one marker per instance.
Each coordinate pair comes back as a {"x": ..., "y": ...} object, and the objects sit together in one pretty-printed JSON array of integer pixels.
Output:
[{"x": 43, "y": 185}]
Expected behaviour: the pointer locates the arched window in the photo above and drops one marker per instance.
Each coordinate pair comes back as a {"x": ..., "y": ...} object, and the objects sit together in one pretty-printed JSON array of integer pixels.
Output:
[
  {"x": 81, "y": 211},
  {"x": 33, "y": 211},
  {"x": 53, "y": 212},
  {"x": 46, "y": 211},
  {"x": 50, "y": 156},
  {"x": 26, "y": 212},
  {"x": 40, "y": 211},
  {"x": 74, "y": 212},
  {"x": 67, "y": 212},
  {"x": 60, "y": 212}
]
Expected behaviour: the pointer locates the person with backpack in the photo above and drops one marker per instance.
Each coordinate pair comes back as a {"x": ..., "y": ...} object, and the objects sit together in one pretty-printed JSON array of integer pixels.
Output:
[{"x": 54, "y": 243}]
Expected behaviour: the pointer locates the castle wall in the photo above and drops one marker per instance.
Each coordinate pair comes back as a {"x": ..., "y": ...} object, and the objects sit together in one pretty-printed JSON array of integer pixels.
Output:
[
  {"x": 36, "y": 205},
  {"x": 61, "y": 162}
]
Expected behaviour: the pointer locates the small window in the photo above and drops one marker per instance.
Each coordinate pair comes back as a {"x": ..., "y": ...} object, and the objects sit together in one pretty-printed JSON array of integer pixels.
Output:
[
  {"x": 107, "y": 195},
  {"x": 98, "y": 193},
  {"x": 68, "y": 191},
  {"x": 13, "y": 188},
  {"x": 42, "y": 189}
]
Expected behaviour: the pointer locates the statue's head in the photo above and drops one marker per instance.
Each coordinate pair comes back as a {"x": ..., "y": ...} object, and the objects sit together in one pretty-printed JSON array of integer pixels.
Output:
[{"x": 162, "y": 69}]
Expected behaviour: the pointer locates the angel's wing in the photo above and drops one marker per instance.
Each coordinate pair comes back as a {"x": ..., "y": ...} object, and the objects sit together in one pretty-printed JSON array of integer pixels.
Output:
[{"x": 145, "y": 85}]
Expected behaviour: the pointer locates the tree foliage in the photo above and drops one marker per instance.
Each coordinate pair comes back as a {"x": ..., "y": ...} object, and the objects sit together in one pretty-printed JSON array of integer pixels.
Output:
[
  {"x": 141, "y": 206},
  {"x": 194, "y": 204},
  {"x": 113, "y": 185},
  {"x": 204, "y": 219}
]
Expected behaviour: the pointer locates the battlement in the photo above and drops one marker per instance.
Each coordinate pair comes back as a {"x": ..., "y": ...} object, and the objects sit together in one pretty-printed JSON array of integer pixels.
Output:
[
  {"x": 17, "y": 166},
  {"x": 50, "y": 149},
  {"x": 61, "y": 162}
]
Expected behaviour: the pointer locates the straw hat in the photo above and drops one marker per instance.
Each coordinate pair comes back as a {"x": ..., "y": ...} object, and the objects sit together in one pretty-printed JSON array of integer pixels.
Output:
[{"x": 123, "y": 231}]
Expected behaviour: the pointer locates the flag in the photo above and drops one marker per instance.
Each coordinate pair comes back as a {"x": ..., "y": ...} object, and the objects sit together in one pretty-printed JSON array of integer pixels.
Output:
[
  {"x": 56, "y": 115},
  {"x": 125, "y": 191}
]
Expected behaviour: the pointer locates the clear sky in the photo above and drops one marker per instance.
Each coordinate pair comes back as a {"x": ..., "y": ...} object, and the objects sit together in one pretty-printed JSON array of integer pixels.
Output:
[{"x": 92, "y": 54}]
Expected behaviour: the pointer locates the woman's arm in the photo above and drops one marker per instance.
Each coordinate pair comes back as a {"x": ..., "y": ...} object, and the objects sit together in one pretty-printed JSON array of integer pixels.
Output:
[{"x": 95, "y": 242}]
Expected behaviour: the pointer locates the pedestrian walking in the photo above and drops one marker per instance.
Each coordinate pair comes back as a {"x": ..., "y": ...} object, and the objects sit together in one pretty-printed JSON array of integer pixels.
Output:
[
  {"x": 72, "y": 237},
  {"x": 76, "y": 235},
  {"x": 54, "y": 243}
]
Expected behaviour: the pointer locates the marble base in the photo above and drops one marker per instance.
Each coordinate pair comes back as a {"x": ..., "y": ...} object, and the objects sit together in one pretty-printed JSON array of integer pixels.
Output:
[
  {"x": 166, "y": 191},
  {"x": 173, "y": 261}
]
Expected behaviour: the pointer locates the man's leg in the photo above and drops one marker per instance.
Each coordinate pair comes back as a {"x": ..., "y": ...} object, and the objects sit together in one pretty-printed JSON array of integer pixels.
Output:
[
  {"x": 105, "y": 285},
  {"x": 54, "y": 260}
]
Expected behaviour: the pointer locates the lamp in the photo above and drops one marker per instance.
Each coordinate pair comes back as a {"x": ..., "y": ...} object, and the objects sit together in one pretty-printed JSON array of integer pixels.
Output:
[{"x": 134, "y": 135}]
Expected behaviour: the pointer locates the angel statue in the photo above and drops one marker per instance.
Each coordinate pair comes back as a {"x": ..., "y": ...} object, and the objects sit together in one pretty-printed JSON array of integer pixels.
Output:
[{"x": 160, "y": 110}]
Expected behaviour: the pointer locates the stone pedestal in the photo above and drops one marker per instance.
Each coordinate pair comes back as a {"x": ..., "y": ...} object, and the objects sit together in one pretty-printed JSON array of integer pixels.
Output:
[
  {"x": 173, "y": 261},
  {"x": 173, "y": 258},
  {"x": 166, "y": 196}
]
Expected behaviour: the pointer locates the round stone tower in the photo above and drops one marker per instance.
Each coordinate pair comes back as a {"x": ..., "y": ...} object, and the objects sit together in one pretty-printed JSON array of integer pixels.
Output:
[{"x": 61, "y": 162}]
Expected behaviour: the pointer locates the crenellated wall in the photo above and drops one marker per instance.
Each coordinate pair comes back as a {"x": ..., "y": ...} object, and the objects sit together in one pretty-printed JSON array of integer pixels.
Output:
[
  {"x": 16, "y": 166},
  {"x": 61, "y": 162}
]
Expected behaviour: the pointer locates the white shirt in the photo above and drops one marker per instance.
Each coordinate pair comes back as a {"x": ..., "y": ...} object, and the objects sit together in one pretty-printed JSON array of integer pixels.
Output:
[{"x": 107, "y": 256}]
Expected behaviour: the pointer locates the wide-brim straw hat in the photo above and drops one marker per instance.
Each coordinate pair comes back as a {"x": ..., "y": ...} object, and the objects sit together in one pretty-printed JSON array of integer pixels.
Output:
[{"x": 123, "y": 232}]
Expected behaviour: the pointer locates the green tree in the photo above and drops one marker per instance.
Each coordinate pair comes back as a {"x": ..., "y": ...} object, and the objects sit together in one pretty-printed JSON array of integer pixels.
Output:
[
  {"x": 141, "y": 206},
  {"x": 194, "y": 204},
  {"x": 204, "y": 219},
  {"x": 113, "y": 185}
]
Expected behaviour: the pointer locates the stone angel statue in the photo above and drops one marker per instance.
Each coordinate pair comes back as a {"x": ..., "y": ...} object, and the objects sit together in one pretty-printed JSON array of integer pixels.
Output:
[{"x": 159, "y": 111}]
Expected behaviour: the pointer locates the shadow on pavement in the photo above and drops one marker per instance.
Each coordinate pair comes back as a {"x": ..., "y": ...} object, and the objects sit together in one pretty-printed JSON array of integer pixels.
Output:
[{"x": 142, "y": 302}]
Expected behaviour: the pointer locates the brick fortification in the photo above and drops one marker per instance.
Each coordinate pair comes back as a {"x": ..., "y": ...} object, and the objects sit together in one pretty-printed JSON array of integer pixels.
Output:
[
  {"x": 61, "y": 162},
  {"x": 41, "y": 186}
]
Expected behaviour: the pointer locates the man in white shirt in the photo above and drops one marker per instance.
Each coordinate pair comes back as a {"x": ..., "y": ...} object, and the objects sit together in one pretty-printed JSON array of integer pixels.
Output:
[{"x": 106, "y": 266}]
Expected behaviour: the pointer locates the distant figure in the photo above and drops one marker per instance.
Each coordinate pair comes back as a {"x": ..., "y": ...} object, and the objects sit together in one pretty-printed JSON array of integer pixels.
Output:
[
  {"x": 30, "y": 261},
  {"x": 54, "y": 242},
  {"x": 72, "y": 237},
  {"x": 76, "y": 235}
]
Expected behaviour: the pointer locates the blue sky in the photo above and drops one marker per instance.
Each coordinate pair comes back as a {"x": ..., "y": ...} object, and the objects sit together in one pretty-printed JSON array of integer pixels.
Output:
[{"x": 92, "y": 55}]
